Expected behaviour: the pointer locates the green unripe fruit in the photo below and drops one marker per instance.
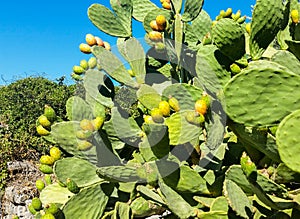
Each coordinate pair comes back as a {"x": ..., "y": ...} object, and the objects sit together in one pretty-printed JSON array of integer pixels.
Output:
[
  {"x": 194, "y": 118},
  {"x": 76, "y": 77},
  {"x": 84, "y": 64},
  {"x": 55, "y": 153},
  {"x": 44, "y": 168},
  {"x": 43, "y": 120},
  {"x": 48, "y": 216},
  {"x": 98, "y": 122},
  {"x": 15, "y": 217},
  {"x": 72, "y": 186},
  {"x": 48, "y": 179},
  {"x": 49, "y": 113},
  {"x": 84, "y": 134},
  {"x": 42, "y": 131},
  {"x": 36, "y": 203},
  {"x": 78, "y": 69},
  {"x": 247, "y": 165},
  {"x": 40, "y": 185},
  {"x": 241, "y": 19},
  {"x": 207, "y": 39},
  {"x": 235, "y": 69},
  {"x": 84, "y": 145},
  {"x": 31, "y": 209},
  {"x": 157, "y": 115},
  {"x": 51, "y": 208},
  {"x": 92, "y": 62},
  {"x": 174, "y": 104},
  {"x": 164, "y": 108},
  {"x": 47, "y": 159},
  {"x": 86, "y": 124}
]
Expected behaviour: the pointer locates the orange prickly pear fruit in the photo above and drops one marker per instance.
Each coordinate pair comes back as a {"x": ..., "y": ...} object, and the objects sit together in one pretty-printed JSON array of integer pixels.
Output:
[
  {"x": 155, "y": 35},
  {"x": 154, "y": 25},
  {"x": 99, "y": 41},
  {"x": 85, "y": 48},
  {"x": 295, "y": 16},
  {"x": 201, "y": 106},
  {"x": 174, "y": 104},
  {"x": 157, "y": 115},
  {"x": 166, "y": 5},
  {"x": 164, "y": 108},
  {"x": 86, "y": 124},
  {"x": 161, "y": 22},
  {"x": 90, "y": 39}
]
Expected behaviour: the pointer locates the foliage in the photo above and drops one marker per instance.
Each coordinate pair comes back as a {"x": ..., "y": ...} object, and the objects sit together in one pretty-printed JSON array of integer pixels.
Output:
[{"x": 203, "y": 124}]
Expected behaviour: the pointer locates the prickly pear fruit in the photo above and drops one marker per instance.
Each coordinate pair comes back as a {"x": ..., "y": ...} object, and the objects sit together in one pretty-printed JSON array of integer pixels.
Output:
[
  {"x": 153, "y": 25},
  {"x": 235, "y": 69},
  {"x": 51, "y": 208},
  {"x": 174, "y": 104},
  {"x": 201, "y": 106},
  {"x": 98, "y": 122},
  {"x": 85, "y": 48},
  {"x": 48, "y": 179},
  {"x": 236, "y": 16},
  {"x": 49, "y": 113},
  {"x": 131, "y": 73},
  {"x": 148, "y": 119},
  {"x": 99, "y": 41},
  {"x": 86, "y": 124},
  {"x": 84, "y": 134},
  {"x": 43, "y": 120},
  {"x": 207, "y": 39},
  {"x": 157, "y": 115},
  {"x": 166, "y": 5},
  {"x": 92, "y": 62},
  {"x": 15, "y": 217},
  {"x": 206, "y": 98},
  {"x": 247, "y": 165},
  {"x": 248, "y": 27},
  {"x": 47, "y": 159},
  {"x": 72, "y": 186},
  {"x": 36, "y": 203},
  {"x": 42, "y": 131},
  {"x": 31, "y": 209},
  {"x": 107, "y": 46},
  {"x": 39, "y": 184},
  {"x": 295, "y": 16},
  {"x": 78, "y": 69},
  {"x": 161, "y": 22},
  {"x": 44, "y": 168},
  {"x": 84, "y": 64},
  {"x": 228, "y": 12},
  {"x": 48, "y": 216},
  {"x": 90, "y": 39},
  {"x": 241, "y": 19},
  {"x": 164, "y": 108},
  {"x": 155, "y": 35},
  {"x": 76, "y": 76},
  {"x": 84, "y": 145},
  {"x": 55, "y": 153},
  {"x": 194, "y": 118}
]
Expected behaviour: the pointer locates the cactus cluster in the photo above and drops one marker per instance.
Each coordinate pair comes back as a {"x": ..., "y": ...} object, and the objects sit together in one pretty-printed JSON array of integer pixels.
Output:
[{"x": 203, "y": 123}]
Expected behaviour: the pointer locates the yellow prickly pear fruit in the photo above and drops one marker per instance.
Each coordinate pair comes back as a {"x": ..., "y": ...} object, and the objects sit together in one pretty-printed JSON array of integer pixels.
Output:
[
  {"x": 44, "y": 121},
  {"x": 85, "y": 48},
  {"x": 295, "y": 16},
  {"x": 161, "y": 22},
  {"x": 157, "y": 115},
  {"x": 98, "y": 122},
  {"x": 131, "y": 73},
  {"x": 248, "y": 28},
  {"x": 42, "y": 131},
  {"x": 166, "y": 5},
  {"x": 55, "y": 152},
  {"x": 194, "y": 118},
  {"x": 228, "y": 12},
  {"x": 174, "y": 104},
  {"x": 153, "y": 25},
  {"x": 84, "y": 64},
  {"x": 99, "y": 41},
  {"x": 148, "y": 119},
  {"x": 236, "y": 16},
  {"x": 242, "y": 19},
  {"x": 47, "y": 159},
  {"x": 201, "y": 106},
  {"x": 107, "y": 46},
  {"x": 84, "y": 145},
  {"x": 78, "y": 69},
  {"x": 164, "y": 108},
  {"x": 86, "y": 124},
  {"x": 90, "y": 39},
  {"x": 222, "y": 13},
  {"x": 83, "y": 134},
  {"x": 235, "y": 69},
  {"x": 155, "y": 35},
  {"x": 49, "y": 113},
  {"x": 92, "y": 62}
]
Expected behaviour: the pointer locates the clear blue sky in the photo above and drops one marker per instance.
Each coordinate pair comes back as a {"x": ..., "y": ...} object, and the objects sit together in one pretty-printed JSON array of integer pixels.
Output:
[{"x": 42, "y": 37}]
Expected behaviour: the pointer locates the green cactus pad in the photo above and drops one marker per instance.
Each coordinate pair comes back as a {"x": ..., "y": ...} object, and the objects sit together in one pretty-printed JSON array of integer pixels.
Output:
[
  {"x": 201, "y": 25},
  {"x": 118, "y": 173},
  {"x": 250, "y": 98},
  {"x": 90, "y": 202},
  {"x": 267, "y": 20},
  {"x": 229, "y": 37},
  {"x": 148, "y": 96},
  {"x": 55, "y": 193},
  {"x": 98, "y": 88},
  {"x": 181, "y": 131},
  {"x": 283, "y": 174},
  {"x": 77, "y": 109},
  {"x": 113, "y": 66},
  {"x": 287, "y": 59},
  {"x": 122, "y": 210},
  {"x": 211, "y": 68},
  {"x": 191, "y": 10},
  {"x": 81, "y": 171},
  {"x": 151, "y": 15},
  {"x": 288, "y": 140},
  {"x": 150, "y": 194},
  {"x": 219, "y": 204},
  {"x": 237, "y": 199},
  {"x": 141, "y": 8},
  {"x": 213, "y": 215},
  {"x": 142, "y": 207},
  {"x": 294, "y": 47},
  {"x": 107, "y": 21},
  {"x": 123, "y": 10},
  {"x": 175, "y": 202}
]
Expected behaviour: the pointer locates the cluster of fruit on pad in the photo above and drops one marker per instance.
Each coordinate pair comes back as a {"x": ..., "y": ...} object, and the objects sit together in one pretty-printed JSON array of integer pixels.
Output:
[
  {"x": 45, "y": 121},
  {"x": 91, "y": 41}
]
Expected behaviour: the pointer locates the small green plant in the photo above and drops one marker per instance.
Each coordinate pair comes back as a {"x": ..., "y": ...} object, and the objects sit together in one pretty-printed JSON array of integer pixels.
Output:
[{"x": 185, "y": 131}]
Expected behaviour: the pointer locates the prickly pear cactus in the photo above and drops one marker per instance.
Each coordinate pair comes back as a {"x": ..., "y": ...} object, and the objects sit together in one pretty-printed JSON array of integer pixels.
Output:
[{"x": 199, "y": 119}]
